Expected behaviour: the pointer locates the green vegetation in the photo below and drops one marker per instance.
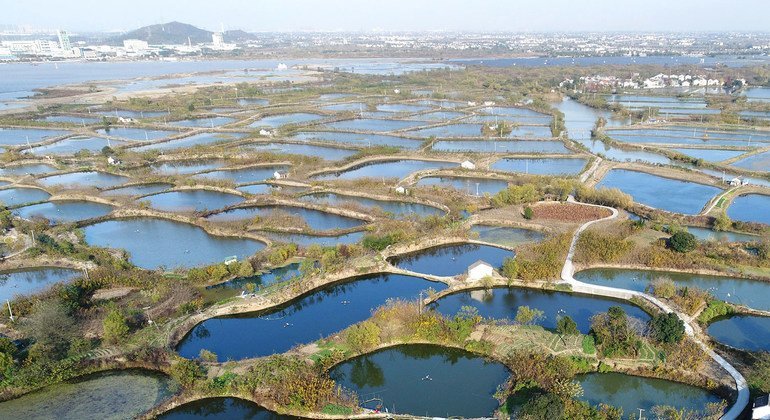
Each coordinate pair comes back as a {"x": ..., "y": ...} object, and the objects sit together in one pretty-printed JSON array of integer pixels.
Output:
[
  {"x": 683, "y": 242},
  {"x": 667, "y": 328}
]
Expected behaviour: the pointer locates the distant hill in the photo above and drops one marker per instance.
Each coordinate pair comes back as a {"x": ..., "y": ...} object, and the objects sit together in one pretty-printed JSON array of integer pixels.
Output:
[
  {"x": 167, "y": 33},
  {"x": 238, "y": 35}
]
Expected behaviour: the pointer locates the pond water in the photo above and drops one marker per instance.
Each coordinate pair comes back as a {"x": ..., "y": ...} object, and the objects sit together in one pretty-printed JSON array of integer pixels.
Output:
[
  {"x": 209, "y": 122},
  {"x": 27, "y": 169},
  {"x": 425, "y": 380},
  {"x": 224, "y": 408},
  {"x": 634, "y": 392},
  {"x": 202, "y": 139},
  {"x": 276, "y": 275},
  {"x": 368, "y": 124},
  {"x": 752, "y": 293},
  {"x": 437, "y": 116},
  {"x": 350, "y": 107},
  {"x": 137, "y": 134},
  {"x": 655, "y": 191},
  {"x": 402, "y": 108},
  {"x": 751, "y": 208},
  {"x": 173, "y": 244},
  {"x": 501, "y": 146},
  {"x": 131, "y": 114},
  {"x": 440, "y": 104},
  {"x": 757, "y": 94},
  {"x": 503, "y": 302},
  {"x": 470, "y": 186},
  {"x": 257, "y": 189},
  {"x": 102, "y": 396},
  {"x": 450, "y": 130},
  {"x": 759, "y": 162},
  {"x": 315, "y": 219},
  {"x": 334, "y": 96},
  {"x": 192, "y": 200},
  {"x": 513, "y": 112},
  {"x": 19, "y": 136},
  {"x": 386, "y": 169},
  {"x": 301, "y": 321},
  {"x": 71, "y": 119},
  {"x": 18, "y": 196},
  {"x": 253, "y": 101},
  {"x": 507, "y": 236},
  {"x": 25, "y": 281},
  {"x": 711, "y": 155},
  {"x": 72, "y": 145},
  {"x": 746, "y": 332},
  {"x": 727, "y": 176},
  {"x": 244, "y": 175},
  {"x": 184, "y": 167},
  {"x": 85, "y": 179},
  {"x": 396, "y": 208},
  {"x": 705, "y": 234},
  {"x": 451, "y": 260},
  {"x": 304, "y": 240},
  {"x": 358, "y": 139},
  {"x": 64, "y": 211},
  {"x": 548, "y": 166},
  {"x": 275, "y": 121},
  {"x": 326, "y": 153},
  {"x": 140, "y": 189},
  {"x": 638, "y": 137}
]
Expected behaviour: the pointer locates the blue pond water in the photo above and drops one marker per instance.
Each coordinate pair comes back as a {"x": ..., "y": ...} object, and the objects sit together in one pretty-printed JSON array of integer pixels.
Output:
[
  {"x": 503, "y": 303},
  {"x": 304, "y": 320},
  {"x": 470, "y": 186},
  {"x": 387, "y": 169},
  {"x": 750, "y": 208},
  {"x": 450, "y": 260},
  {"x": 139, "y": 189},
  {"x": 315, "y": 219},
  {"x": 19, "y": 196},
  {"x": 137, "y": 134},
  {"x": 656, "y": 191},
  {"x": 367, "y": 124},
  {"x": 84, "y": 180},
  {"x": 27, "y": 169},
  {"x": 224, "y": 408},
  {"x": 747, "y": 332},
  {"x": 711, "y": 155},
  {"x": 19, "y": 136},
  {"x": 73, "y": 145},
  {"x": 31, "y": 280},
  {"x": 202, "y": 139},
  {"x": 358, "y": 139},
  {"x": 326, "y": 153},
  {"x": 759, "y": 162},
  {"x": 64, "y": 211},
  {"x": 540, "y": 166},
  {"x": 154, "y": 243},
  {"x": 284, "y": 119},
  {"x": 397, "y": 208},
  {"x": 501, "y": 146},
  {"x": 204, "y": 122},
  {"x": 192, "y": 200},
  {"x": 244, "y": 175}
]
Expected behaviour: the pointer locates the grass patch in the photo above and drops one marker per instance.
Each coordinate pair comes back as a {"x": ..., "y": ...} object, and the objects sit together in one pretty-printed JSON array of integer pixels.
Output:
[{"x": 336, "y": 410}]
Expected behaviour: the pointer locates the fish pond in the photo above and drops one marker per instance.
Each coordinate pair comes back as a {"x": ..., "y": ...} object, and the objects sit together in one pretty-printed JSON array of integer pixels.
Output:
[
  {"x": 314, "y": 219},
  {"x": 25, "y": 281},
  {"x": 153, "y": 243},
  {"x": 470, "y": 186},
  {"x": 450, "y": 260},
  {"x": 425, "y": 380},
  {"x": 396, "y": 208},
  {"x": 745, "y": 332},
  {"x": 386, "y": 169},
  {"x": 64, "y": 211},
  {"x": 304, "y": 320},
  {"x": 17, "y": 196},
  {"x": 507, "y": 236},
  {"x": 548, "y": 166},
  {"x": 192, "y": 200},
  {"x": 224, "y": 408},
  {"x": 750, "y": 208}
]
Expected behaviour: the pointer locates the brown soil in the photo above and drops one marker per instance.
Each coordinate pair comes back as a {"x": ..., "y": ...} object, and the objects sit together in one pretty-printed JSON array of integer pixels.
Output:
[{"x": 569, "y": 212}]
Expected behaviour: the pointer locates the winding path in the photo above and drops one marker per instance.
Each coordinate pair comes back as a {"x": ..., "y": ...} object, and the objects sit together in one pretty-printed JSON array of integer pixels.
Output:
[{"x": 567, "y": 276}]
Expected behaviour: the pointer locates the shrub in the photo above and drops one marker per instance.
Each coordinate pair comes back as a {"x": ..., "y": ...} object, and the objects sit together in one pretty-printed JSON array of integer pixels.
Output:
[
  {"x": 593, "y": 247},
  {"x": 612, "y": 197},
  {"x": 526, "y": 315},
  {"x": 379, "y": 243},
  {"x": 715, "y": 309},
  {"x": 667, "y": 328},
  {"x": 663, "y": 287},
  {"x": 528, "y": 213},
  {"x": 207, "y": 356},
  {"x": 115, "y": 327},
  {"x": 186, "y": 372},
  {"x": 566, "y": 326},
  {"x": 363, "y": 336},
  {"x": 589, "y": 345},
  {"x": 683, "y": 242}
]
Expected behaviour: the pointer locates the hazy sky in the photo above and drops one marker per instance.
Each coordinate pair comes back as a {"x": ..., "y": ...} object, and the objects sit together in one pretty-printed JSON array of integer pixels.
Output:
[{"x": 397, "y": 15}]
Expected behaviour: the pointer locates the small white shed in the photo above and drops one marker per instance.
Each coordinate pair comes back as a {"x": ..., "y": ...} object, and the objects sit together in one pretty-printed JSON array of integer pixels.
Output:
[
  {"x": 479, "y": 270},
  {"x": 468, "y": 165}
]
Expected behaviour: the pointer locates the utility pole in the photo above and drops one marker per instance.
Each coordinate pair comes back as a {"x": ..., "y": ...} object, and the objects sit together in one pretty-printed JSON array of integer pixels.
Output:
[
  {"x": 418, "y": 303},
  {"x": 641, "y": 410},
  {"x": 32, "y": 233},
  {"x": 10, "y": 313}
]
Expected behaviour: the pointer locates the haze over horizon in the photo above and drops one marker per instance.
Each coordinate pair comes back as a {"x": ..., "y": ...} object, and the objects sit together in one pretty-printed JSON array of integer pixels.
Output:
[{"x": 394, "y": 15}]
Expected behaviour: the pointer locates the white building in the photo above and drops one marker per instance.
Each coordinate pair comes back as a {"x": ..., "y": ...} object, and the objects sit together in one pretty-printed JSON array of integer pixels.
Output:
[
  {"x": 64, "y": 40},
  {"x": 479, "y": 270},
  {"x": 135, "y": 45},
  {"x": 761, "y": 408},
  {"x": 468, "y": 165},
  {"x": 401, "y": 190}
]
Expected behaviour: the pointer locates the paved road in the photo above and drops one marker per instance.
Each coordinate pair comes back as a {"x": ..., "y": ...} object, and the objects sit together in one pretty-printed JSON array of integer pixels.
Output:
[{"x": 568, "y": 271}]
